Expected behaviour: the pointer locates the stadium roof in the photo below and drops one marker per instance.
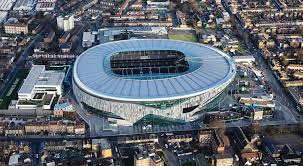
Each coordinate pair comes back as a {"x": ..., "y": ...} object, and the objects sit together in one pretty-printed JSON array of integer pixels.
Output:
[{"x": 92, "y": 74}]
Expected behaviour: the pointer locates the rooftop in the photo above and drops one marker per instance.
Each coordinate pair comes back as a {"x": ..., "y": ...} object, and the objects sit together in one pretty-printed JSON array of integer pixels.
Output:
[
  {"x": 38, "y": 76},
  {"x": 210, "y": 68}
]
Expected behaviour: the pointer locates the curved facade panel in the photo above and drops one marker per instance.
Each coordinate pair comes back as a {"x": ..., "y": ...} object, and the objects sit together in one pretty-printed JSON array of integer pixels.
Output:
[{"x": 135, "y": 78}]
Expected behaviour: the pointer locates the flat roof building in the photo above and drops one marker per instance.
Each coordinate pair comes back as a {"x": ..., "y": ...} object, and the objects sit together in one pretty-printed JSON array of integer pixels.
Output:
[
  {"x": 40, "y": 84},
  {"x": 16, "y": 28},
  {"x": 24, "y": 5},
  {"x": 6, "y": 5},
  {"x": 244, "y": 59}
]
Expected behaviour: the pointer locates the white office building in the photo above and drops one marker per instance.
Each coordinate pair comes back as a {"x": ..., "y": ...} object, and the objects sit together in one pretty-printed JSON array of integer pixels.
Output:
[
  {"x": 66, "y": 23},
  {"x": 248, "y": 59},
  {"x": 88, "y": 39},
  {"x": 40, "y": 87}
]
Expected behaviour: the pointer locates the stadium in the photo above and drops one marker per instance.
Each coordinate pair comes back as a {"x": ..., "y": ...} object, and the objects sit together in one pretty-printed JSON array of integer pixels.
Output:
[{"x": 133, "y": 79}]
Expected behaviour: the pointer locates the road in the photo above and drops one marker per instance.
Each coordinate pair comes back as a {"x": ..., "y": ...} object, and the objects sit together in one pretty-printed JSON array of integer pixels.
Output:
[
  {"x": 170, "y": 158},
  {"x": 282, "y": 102}
]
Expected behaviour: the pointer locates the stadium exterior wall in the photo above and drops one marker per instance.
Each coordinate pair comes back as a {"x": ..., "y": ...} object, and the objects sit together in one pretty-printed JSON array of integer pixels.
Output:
[{"x": 132, "y": 112}]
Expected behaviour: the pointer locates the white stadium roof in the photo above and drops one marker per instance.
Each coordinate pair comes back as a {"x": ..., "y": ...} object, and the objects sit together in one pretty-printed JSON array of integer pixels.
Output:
[{"x": 93, "y": 75}]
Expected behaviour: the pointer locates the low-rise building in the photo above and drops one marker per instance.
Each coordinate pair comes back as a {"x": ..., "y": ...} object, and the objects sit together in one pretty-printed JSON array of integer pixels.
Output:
[
  {"x": 180, "y": 138},
  {"x": 16, "y": 28},
  {"x": 2, "y": 128},
  {"x": 105, "y": 149},
  {"x": 88, "y": 39},
  {"x": 64, "y": 110},
  {"x": 80, "y": 129},
  {"x": 244, "y": 59},
  {"x": 53, "y": 127},
  {"x": 258, "y": 102},
  {"x": 216, "y": 139},
  {"x": 295, "y": 67},
  {"x": 40, "y": 87},
  {"x": 14, "y": 131},
  {"x": 223, "y": 160},
  {"x": 293, "y": 83},
  {"x": 257, "y": 113},
  {"x": 251, "y": 157},
  {"x": 205, "y": 136},
  {"x": 150, "y": 139},
  {"x": 141, "y": 160},
  {"x": 156, "y": 161},
  {"x": 45, "y": 6}
]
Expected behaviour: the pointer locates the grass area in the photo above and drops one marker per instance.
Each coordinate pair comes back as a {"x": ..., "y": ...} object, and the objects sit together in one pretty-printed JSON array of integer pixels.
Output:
[
  {"x": 242, "y": 48},
  {"x": 183, "y": 37},
  {"x": 11, "y": 92}
]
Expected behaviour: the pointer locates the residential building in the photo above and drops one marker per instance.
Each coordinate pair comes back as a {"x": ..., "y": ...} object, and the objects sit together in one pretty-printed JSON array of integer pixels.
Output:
[
  {"x": 14, "y": 131},
  {"x": 293, "y": 83},
  {"x": 141, "y": 160},
  {"x": 295, "y": 67},
  {"x": 156, "y": 161},
  {"x": 53, "y": 127},
  {"x": 216, "y": 139},
  {"x": 80, "y": 129},
  {"x": 150, "y": 139},
  {"x": 105, "y": 149},
  {"x": 2, "y": 128},
  {"x": 16, "y": 28},
  {"x": 46, "y": 5},
  {"x": 64, "y": 110},
  {"x": 205, "y": 136},
  {"x": 66, "y": 23},
  {"x": 251, "y": 157},
  {"x": 180, "y": 138},
  {"x": 223, "y": 160}
]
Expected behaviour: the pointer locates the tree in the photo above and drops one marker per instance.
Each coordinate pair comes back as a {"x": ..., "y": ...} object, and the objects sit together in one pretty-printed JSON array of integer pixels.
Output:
[
  {"x": 184, "y": 7},
  {"x": 256, "y": 128}
]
